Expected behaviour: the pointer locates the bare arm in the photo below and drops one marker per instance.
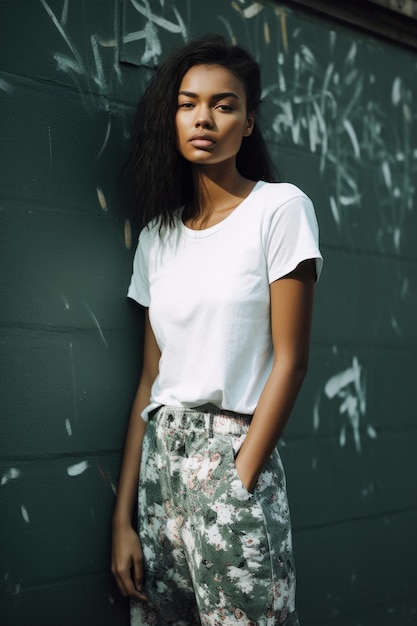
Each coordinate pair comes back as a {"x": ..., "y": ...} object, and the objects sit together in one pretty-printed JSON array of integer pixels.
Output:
[
  {"x": 126, "y": 550},
  {"x": 291, "y": 315}
]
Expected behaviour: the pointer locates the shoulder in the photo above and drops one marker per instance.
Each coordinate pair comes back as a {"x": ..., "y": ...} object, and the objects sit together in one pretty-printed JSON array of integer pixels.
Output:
[
  {"x": 278, "y": 194},
  {"x": 154, "y": 233},
  {"x": 149, "y": 232},
  {"x": 155, "y": 239},
  {"x": 282, "y": 203}
]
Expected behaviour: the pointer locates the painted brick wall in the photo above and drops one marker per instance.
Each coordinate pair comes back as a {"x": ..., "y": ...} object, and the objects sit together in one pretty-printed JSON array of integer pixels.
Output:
[{"x": 340, "y": 118}]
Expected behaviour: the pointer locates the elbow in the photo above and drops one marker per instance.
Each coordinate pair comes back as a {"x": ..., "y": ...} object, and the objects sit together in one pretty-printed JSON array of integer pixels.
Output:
[
  {"x": 295, "y": 368},
  {"x": 301, "y": 365},
  {"x": 304, "y": 371},
  {"x": 300, "y": 370}
]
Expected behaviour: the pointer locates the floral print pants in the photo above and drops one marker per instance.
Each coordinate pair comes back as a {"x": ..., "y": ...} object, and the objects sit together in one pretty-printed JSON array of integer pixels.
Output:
[{"x": 215, "y": 554}]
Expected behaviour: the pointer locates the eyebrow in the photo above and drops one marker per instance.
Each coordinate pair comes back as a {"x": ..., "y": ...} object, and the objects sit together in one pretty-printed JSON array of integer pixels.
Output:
[{"x": 216, "y": 96}]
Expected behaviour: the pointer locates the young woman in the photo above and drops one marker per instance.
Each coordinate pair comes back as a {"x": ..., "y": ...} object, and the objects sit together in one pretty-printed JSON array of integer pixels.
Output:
[{"x": 225, "y": 268}]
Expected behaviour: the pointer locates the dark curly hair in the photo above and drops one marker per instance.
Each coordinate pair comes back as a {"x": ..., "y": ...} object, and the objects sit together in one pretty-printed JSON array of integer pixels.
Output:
[{"x": 163, "y": 178}]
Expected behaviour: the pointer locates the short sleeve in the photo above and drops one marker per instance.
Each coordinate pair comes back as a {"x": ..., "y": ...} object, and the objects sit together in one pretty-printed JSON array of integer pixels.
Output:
[
  {"x": 292, "y": 237},
  {"x": 139, "y": 283}
]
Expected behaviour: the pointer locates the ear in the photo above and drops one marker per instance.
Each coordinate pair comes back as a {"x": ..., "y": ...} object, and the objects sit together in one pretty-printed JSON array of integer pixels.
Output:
[{"x": 250, "y": 123}]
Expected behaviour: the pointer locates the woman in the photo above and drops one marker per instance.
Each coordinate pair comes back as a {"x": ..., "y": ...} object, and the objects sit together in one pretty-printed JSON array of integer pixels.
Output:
[{"x": 225, "y": 269}]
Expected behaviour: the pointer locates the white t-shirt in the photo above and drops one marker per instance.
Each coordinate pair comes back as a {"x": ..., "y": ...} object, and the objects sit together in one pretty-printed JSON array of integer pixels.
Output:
[{"x": 208, "y": 296}]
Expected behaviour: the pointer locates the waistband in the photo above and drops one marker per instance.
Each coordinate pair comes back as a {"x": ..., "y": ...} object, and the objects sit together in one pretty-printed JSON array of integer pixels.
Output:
[{"x": 207, "y": 418}]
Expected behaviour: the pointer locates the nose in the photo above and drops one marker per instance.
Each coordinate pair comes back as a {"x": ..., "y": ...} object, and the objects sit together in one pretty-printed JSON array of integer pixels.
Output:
[{"x": 203, "y": 117}]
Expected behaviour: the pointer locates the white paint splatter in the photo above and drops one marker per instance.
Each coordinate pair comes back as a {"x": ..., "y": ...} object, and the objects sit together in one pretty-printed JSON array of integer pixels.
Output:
[
  {"x": 5, "y": 86},
  {"x": 65, "y": 64},
  {"x": 65, "y": 301},
  {"x": 396, "y": 326},
  {"x": 128, "y": 235},
  {"x": 77, "y": 468},
  {"x": 313, "y": 132},
  {"x": 405, "y": 288},
  {"x": 68, "y": 427},
  {"x": 332, "y": 39},
  {"x": 252, "y": 10},
  {"x": 107, "y": 43},
  {"x": 102, "y": 199},
  {"x": 25, "y": 513},
  {"x": 397, "y": 238},
  {"x": 316, "y": 415},
  {"x": 335, "y": 210},
  {"x": 349, "y": 200},
  {"x": 281, "y": 81},
  {"x": 61, "y": 31},
  {"x": 339, "y": 381},
  {"x": 396, "y": 91},
  {"x": 64, "y": 14},
  {"x": 351, "y": 56},
  {"x": 350, "y": 387},
  {"x": 353, "y": 138},
  {"x": 371, "y": 432},
  {"x": 308, "y": 55},
  {"x": 106, "y": 139},
  {"x": 11, "y": 474},
  {"x": 153, "y": 47},
  {"x": 96, "y": 322},
  {"x": 100, "y": 79},
  {"x": 386, "y": 171}
]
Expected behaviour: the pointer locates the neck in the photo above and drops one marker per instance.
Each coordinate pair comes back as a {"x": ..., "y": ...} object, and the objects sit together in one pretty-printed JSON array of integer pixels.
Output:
[
  {"x": 219, "y": 189},
  {"x": 218, "y": 186}
]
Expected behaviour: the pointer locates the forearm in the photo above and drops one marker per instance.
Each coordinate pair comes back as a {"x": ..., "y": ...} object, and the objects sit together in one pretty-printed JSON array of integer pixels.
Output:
[
  {"x": 129, "y": 473},
  {"x": 269, "y": 420}
]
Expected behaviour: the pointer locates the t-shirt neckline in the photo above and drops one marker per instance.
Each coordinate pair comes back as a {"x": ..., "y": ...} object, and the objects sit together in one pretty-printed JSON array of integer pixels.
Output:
[{"x": 212, "y": 230}]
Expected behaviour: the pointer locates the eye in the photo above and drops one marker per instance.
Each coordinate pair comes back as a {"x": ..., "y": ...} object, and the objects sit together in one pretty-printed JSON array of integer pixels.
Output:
[
  {"x": 224, "y": 107},
  {"x": 185, "y": 105}
]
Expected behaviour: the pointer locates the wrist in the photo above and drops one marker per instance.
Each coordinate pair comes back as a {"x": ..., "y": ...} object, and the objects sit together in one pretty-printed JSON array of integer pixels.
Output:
[{"x": 121, "y": 520}]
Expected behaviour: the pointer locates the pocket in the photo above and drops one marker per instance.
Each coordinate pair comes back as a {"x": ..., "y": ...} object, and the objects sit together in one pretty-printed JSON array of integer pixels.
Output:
[{"x": 237, "y": 488}]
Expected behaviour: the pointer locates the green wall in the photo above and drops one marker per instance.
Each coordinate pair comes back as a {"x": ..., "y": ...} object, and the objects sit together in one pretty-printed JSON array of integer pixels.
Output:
[{"x": 340, "y": 118}]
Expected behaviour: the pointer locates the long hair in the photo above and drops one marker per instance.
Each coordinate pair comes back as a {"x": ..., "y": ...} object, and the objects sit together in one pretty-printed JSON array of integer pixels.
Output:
[{"x": 163, "y": 178}]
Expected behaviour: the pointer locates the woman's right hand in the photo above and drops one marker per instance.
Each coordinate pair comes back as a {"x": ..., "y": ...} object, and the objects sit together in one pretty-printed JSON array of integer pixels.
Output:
[{"x": 127, "y": 562}]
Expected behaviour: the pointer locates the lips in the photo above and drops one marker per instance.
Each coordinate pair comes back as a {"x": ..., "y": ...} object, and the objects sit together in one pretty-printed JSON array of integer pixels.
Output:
[{"x": 202, "y": 141}]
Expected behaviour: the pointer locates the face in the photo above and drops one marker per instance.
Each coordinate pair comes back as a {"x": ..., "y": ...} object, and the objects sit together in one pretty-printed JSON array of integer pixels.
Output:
[{"x": 211, "y": 118}]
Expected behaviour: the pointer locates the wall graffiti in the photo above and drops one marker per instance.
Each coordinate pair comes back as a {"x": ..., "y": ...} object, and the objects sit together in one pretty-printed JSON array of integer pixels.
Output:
[
  {"x": 320, "y": 98},
  {"x": 347, "y": 392}
]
